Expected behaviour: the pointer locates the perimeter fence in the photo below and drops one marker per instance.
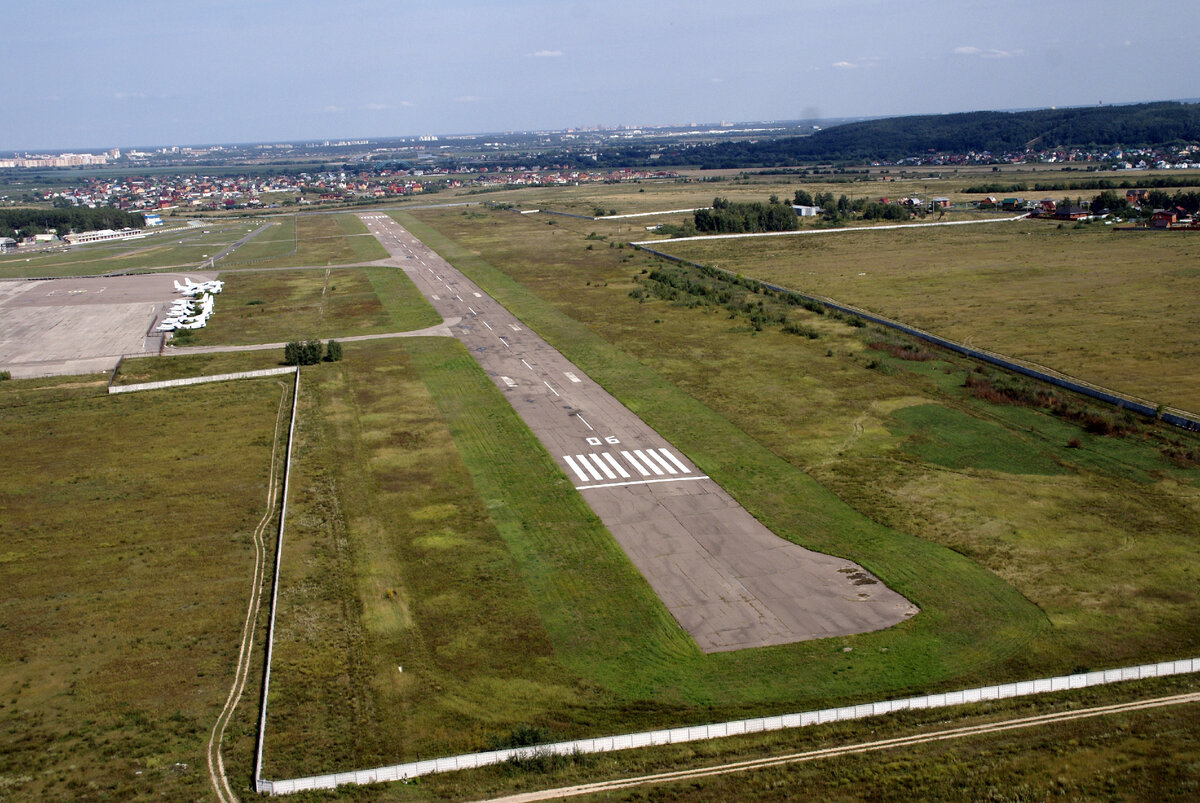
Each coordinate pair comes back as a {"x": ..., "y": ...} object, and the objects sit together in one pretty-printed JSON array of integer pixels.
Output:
[{"x": 400, "y": 772}]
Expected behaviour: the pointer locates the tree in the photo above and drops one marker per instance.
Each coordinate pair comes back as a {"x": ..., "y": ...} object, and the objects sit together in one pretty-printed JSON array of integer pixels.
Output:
[
  {"x": 803, "y": 198},
  {"x": 333, "y": 351}
]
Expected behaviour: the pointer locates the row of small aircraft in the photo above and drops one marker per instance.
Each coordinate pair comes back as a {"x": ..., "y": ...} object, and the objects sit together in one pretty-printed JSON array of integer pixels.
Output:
[{"x": 191, "y": 312}]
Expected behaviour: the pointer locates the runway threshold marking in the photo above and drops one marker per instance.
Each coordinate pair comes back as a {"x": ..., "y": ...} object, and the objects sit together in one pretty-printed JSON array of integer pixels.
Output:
[
  {"x": 639, "y": 482},
  {"x": 571, "y": 376},
  {"x": 608, "y": 464}
]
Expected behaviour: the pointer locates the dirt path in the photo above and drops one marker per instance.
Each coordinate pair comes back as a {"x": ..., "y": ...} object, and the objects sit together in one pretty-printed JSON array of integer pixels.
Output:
[
  {"x": 216, "y": 765},
  {"x": 862, "y": 747}
]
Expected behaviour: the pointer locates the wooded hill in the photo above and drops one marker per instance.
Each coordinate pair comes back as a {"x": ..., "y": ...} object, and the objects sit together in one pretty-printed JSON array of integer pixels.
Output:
[{"x": 894, "y": 138}]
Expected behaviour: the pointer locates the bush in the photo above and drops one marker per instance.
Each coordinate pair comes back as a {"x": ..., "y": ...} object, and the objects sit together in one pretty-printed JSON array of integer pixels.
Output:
[
  {"x": 5, "y": 375},
  {"x": 301, "y": 352}
]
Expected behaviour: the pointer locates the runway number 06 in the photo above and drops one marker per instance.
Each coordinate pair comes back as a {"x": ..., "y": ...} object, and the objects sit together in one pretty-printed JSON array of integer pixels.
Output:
[{"x": 611, "y": 439}]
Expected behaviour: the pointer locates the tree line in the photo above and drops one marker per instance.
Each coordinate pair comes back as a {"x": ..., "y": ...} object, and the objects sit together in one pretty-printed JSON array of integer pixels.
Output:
[
  {"x": 730, "y": 217},
  {"x": 29, "y": 222}
]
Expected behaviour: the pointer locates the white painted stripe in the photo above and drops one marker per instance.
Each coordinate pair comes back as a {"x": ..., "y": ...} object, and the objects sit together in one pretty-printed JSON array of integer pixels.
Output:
[
  {"x": 584, "y": 420},
  {"x": 485, "y": 323},
  {"x": 571, "y": 376},
  {"x": 649, "y": 463},
  {"x": 439, "y": 278},
  {"x": 458, "y": 298},
  {"x": 596, "y": 459},
  {"x": 613, "y": 461},
  {"x": 633, "y": 461},
  {"x": 509, "y": 382},
  {"x": 639, "y": 482},
  {"x": 514, "y": 327},
  {"x": 582, "y": 477},
  {"x": 587, "y": 464},
  {"x": 684, "y": 469},
  {"x": 473, "y": 312},
  {"x": 552, "y": 390},
  {"x": 435, "y": 297},
  {"x": 527, "y": 365},
  {"x": 479, "y": 295},
  {"x": 670, "y": 469}
]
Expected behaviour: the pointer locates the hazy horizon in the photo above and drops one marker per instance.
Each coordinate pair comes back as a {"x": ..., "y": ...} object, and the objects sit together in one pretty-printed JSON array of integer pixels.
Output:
[{"x": 220, "y": 71}]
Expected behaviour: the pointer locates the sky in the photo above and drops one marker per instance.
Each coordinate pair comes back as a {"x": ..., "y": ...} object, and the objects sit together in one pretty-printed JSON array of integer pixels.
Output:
[{"x": 88, "y": 75}]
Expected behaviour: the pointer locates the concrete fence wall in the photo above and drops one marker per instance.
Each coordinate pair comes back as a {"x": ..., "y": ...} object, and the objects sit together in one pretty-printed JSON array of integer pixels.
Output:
[
  {"x": 719, "y": 730},
  {"x": 200, "y": 380}
]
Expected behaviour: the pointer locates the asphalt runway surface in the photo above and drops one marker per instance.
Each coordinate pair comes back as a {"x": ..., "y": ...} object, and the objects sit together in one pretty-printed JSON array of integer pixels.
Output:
[
  {"x": 729, "y": 581},
  {"x": 51, "y": 327}
]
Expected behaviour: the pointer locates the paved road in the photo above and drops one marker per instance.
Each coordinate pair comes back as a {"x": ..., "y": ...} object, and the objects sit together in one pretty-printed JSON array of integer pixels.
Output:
[{"x": 729, "y": 581}]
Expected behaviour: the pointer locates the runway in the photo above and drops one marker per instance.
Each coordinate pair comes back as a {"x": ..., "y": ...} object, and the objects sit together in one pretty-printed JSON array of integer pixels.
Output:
[{"x": 729, "y": 581}]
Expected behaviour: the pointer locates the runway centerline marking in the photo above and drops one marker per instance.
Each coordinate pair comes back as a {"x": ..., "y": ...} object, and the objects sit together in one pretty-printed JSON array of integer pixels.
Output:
[
  {"x": 585, "y": 423},
  {"x": 547, "y": 384}
]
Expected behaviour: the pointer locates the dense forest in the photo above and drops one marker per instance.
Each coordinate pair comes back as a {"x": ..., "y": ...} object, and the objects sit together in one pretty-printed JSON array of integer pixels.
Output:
[{"x": 38, "y": 221}]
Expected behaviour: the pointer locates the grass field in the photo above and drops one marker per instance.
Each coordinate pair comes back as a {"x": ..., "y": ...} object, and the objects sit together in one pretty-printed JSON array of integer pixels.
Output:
[
  {"x": 127, "y": 564},
  {"x": 1109, "y": 307},
  {"x": 326, "y": 239},
  {"x": 279, "y": 306},
  {"x": 182, "y": 250}
]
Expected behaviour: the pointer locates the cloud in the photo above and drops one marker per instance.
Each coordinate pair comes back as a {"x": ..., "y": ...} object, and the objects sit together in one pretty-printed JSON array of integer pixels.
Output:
[
  {"x": 376, "y": 107},
  {"x": 467, "y": 99},
  {"x": 544, "y": 54},
  {"x": 971, "y": 50},
  {"x": 716, "y": 80},
  {"x": 129, "y": 95},
  {"x": 333, "y": 109},
  {"x": 854, "y": 65}
]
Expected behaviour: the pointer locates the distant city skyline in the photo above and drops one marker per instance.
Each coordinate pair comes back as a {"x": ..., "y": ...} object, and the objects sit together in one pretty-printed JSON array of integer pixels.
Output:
[{"x": 228, "y": 71}]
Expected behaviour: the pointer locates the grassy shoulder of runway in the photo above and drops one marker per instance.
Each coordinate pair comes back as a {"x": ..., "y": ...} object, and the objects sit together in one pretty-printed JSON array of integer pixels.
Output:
[
  {"x": 127, "y": 563},
  {"x": 281, "y": 306},
  {"x": 1101, "y": 551}
]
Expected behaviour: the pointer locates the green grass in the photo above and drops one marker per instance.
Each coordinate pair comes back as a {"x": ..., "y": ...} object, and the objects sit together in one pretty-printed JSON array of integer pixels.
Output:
[
  {"x": 126, "y": 563},
  {"x": 280, "y": 306},
  {"x": 155, "y": 369},
  {"x": 310, "y": 240},
  {"x": 943, "y": 436},
  {"x": 178, "y": 251},
  {"x": 1104, "y": 306}
]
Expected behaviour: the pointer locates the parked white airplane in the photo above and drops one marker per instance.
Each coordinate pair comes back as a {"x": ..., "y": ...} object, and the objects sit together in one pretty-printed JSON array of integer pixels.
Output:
[{"x": 190, "y": 288}]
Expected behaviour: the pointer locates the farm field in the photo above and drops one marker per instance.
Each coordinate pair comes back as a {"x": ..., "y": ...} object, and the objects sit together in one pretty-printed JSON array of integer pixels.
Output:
[
  {"x": 127, "y": 561},
  {"x": 1109, "y": 307}
]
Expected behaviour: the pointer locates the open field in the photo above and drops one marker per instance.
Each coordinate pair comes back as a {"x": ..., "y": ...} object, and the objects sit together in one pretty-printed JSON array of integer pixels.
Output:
[
  {"x": 1113, "y": 308},
  {"x": 181, "y": 250},
  {"x": 325, "y": 239},
  {"x": 279, "y": 306},
  {"x": 127, "y": 561}
]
